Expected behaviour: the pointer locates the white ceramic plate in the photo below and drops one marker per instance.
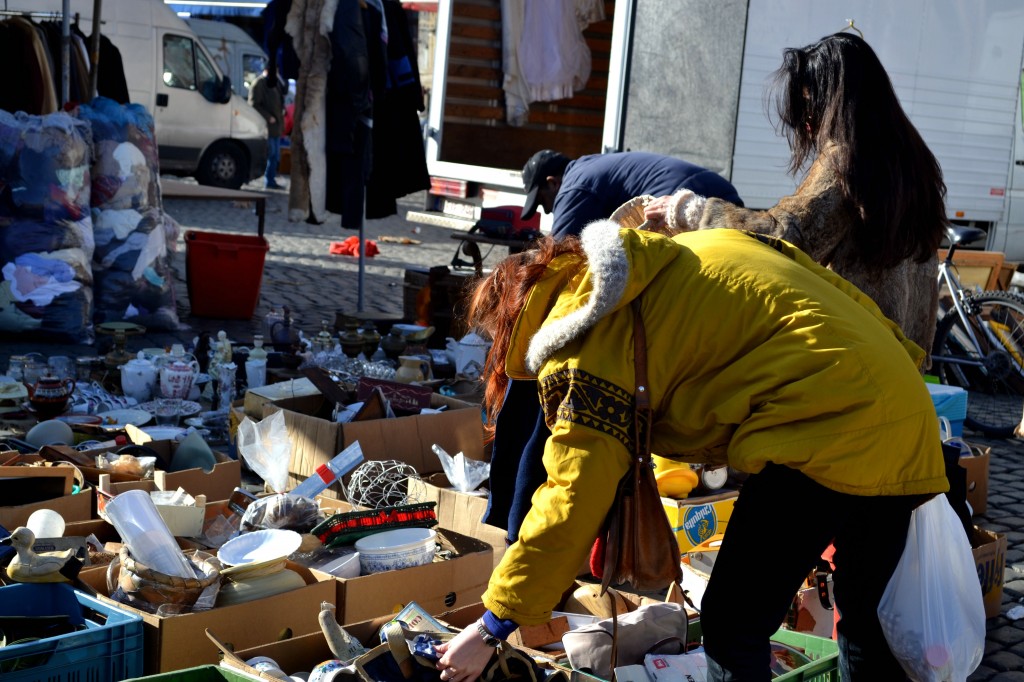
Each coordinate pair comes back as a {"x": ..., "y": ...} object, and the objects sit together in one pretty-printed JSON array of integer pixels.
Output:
[
  {"x": 188, "y": 407},
  {"x": 259, "y": 545},
  {"x": 408, "y": 328},
  {"x": 164, "y": 432},
  {"x": 121, "y": 418}
]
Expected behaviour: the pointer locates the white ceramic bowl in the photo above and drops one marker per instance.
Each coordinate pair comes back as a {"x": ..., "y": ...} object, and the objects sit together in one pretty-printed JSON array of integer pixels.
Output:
[
  {"x": 395, "y": 549},
  {"x": 259, "y": 545}
]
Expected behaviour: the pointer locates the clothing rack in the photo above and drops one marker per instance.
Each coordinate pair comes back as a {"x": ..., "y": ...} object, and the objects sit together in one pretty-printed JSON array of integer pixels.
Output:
[{"x": 64, "y": 14}]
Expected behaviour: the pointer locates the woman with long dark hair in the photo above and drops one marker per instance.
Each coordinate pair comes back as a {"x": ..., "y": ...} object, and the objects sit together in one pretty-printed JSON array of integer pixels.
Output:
[
  {"x": 756, "y": 357},
  {"x": 872, "y": 206}
]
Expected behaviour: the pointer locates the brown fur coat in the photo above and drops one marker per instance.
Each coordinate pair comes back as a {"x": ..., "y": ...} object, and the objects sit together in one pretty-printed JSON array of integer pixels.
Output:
[{"x": 819, "y": 222}]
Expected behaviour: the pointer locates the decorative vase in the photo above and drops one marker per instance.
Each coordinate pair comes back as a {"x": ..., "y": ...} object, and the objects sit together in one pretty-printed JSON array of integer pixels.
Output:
[
  {"x": 371, "y": 339},
  {"x": 393, "y": 344},
  {"x": 351, "y": 340}
]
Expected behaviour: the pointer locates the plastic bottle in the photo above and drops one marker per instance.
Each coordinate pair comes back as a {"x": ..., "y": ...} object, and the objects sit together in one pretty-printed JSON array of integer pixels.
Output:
[{"x": 328, "y": 473}]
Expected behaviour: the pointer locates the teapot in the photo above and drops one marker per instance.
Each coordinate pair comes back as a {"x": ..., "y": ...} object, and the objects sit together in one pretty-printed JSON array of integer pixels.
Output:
[
  {"x": 49, "y": 395},
  {"x": 468, "y": 356},
  {"x": 138, "y": 378},
  {"x": 178, "y": 372},
  {"x": 412, "y": 368}
]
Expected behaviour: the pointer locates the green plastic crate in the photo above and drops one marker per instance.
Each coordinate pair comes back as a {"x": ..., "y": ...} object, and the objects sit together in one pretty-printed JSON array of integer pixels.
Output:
[
  {"x": 202, "y": 673},
  {"x": 823, "y": 652}
]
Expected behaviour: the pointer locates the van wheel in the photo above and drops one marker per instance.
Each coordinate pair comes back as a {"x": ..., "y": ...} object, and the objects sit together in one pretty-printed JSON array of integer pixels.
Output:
[{"x": 223, "y": 165}]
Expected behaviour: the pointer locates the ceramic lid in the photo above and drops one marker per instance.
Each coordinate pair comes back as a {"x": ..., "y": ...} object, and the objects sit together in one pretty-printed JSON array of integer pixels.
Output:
[{"x": 139, "y": 362}]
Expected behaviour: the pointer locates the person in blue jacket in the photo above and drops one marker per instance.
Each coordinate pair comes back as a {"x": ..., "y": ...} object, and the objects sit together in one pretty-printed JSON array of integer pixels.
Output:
[{"x": 593, "y": 186}]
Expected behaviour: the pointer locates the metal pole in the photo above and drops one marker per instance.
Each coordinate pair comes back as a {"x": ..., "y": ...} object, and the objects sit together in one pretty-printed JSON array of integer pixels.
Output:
[
  {"x": 65, "y": 54},
  {"x": 94, "y": 50},
  {"x": 362, "y": 258}
]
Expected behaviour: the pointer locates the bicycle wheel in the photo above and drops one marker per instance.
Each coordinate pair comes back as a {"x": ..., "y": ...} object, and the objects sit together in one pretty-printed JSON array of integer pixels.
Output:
[{"x": 993, "y": 373}]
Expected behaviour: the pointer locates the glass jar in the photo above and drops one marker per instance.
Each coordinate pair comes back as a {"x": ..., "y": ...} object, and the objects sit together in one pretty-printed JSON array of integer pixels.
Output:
[{"x": 16, "y": 367}]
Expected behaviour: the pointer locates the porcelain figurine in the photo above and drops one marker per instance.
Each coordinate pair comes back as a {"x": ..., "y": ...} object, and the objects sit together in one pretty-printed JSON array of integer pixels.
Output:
[
  {"x": 138, "y": 378},
  {"x": 43, "y": 567}
]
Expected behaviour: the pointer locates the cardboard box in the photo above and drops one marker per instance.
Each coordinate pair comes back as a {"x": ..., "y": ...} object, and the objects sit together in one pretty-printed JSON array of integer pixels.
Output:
[
  {"x": 256, "y": 398},
  {"x": 77, "y": 507},
  {"x": 316, "y": 438},
  {"x": 694, "y": 520},
  {"x": 977, "y": 478},
  {"x": 216, "y": 485},
  {"x": 460, "y": 512},
  {"x": 989, "y": 549},
  {"x": 176, "y": 642},
  {"x": 436, "y": 587}
]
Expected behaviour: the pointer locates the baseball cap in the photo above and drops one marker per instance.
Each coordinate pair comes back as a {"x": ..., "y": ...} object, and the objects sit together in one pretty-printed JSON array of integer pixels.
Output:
[{"x": 542, "y": 164}]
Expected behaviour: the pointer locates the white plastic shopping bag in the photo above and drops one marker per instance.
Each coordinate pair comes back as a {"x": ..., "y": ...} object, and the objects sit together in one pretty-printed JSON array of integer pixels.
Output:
[
  {"x": 932, "y": 612},
  {"x": 266, "y": 448}
]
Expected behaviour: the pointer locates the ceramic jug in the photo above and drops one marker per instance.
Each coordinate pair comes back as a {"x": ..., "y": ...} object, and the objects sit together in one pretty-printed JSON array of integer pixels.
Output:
[
  {"x": 138, "y": 378},
  {"x": 411, "y": 368},
  {"x": 177, "y": 374},
  {"x": 49, "y": 395}
]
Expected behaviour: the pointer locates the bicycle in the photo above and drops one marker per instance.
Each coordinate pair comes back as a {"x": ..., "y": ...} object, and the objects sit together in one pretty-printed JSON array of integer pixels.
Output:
[{"x": 979, "y": 346}]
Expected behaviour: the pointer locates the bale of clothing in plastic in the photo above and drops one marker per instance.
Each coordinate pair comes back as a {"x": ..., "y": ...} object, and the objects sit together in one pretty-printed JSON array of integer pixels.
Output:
[
  {"x": 135, "y": 240},
  {"x": 46, "y": 231}
]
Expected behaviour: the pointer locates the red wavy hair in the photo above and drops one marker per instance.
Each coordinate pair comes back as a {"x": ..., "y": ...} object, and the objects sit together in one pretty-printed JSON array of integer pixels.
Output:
[{"x": 495, "y": 305}]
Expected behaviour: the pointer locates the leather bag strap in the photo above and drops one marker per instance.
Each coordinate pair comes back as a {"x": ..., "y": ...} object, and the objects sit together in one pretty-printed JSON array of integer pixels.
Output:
[{"x": 641, "y": 434}]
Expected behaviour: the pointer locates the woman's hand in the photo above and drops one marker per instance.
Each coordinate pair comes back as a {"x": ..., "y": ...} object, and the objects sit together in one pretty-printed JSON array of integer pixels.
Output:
[
  {"x": 655, "y": 212},
  {"x": 464, "y": 658}
]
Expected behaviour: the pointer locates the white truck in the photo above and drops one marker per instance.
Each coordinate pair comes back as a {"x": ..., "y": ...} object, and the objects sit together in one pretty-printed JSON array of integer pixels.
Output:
[
  {"x": 688, "y": 78},
  {"x": 202, "y": 127}
]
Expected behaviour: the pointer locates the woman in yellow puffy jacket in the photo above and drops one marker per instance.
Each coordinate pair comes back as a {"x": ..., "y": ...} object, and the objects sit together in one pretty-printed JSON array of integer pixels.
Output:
[{"x": 757, "y": 357}]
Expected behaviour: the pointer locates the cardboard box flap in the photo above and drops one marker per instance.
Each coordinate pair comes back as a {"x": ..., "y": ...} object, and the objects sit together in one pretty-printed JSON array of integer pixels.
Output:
[{"x": 234, "y": 661}]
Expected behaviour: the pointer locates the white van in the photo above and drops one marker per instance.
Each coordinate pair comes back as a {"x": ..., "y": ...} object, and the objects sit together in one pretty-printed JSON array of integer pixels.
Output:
[
  {"x": 234, "y": 51},
  {"x": 202, "y": 128}
]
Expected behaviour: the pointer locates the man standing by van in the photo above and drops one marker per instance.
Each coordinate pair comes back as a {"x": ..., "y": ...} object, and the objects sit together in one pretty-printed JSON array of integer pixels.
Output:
[{"x": 266, "y": 97}]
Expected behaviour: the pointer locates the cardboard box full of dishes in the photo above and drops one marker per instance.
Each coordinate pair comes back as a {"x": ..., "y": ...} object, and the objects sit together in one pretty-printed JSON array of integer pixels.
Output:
[
  {"x": 216, "y": 484},
  {"x": 459, "y": 511},
  {"x": 316, "y": 438},
  {"x": 179, "y": 641},
  {"x": 457, "y": 577}
]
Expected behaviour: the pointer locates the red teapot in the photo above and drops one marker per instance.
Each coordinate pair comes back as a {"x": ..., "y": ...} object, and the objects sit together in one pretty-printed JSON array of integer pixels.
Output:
[{"x": 49, "y": 396}]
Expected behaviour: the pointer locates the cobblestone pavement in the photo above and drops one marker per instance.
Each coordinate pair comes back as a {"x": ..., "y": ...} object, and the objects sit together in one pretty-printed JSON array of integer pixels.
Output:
[{"x": 300, "y": 272}]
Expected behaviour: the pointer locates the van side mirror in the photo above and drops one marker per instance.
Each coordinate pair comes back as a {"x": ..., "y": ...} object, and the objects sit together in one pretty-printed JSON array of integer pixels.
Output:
[{"x": 225, "y": 90}]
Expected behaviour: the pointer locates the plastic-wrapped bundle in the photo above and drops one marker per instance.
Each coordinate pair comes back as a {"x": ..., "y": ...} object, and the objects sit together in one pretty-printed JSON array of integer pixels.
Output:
[
  {"x": 46, "y": 234},
  {"x": 135, "y": 240}
]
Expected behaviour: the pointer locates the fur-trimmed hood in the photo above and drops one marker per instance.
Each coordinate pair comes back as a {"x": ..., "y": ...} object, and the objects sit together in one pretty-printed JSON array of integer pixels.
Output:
[{"x": 573, "y": 295}]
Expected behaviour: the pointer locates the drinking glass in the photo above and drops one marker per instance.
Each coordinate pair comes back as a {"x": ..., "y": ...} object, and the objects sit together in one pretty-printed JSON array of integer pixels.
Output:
[{"x": 167, "y": 411}]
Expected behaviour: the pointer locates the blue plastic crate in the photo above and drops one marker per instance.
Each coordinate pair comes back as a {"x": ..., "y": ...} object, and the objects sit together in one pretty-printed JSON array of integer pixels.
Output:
[
  {"x": 950, "y": 402},
  {"x": 108, "y": 649}
]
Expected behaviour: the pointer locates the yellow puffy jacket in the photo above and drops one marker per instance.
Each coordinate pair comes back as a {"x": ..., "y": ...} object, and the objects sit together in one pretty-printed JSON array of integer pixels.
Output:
[{"x": 755, "y": 354}]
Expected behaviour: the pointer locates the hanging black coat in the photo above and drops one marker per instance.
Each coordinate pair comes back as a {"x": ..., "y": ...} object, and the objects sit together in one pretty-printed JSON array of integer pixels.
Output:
[{"x": 399, "y": 158}]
